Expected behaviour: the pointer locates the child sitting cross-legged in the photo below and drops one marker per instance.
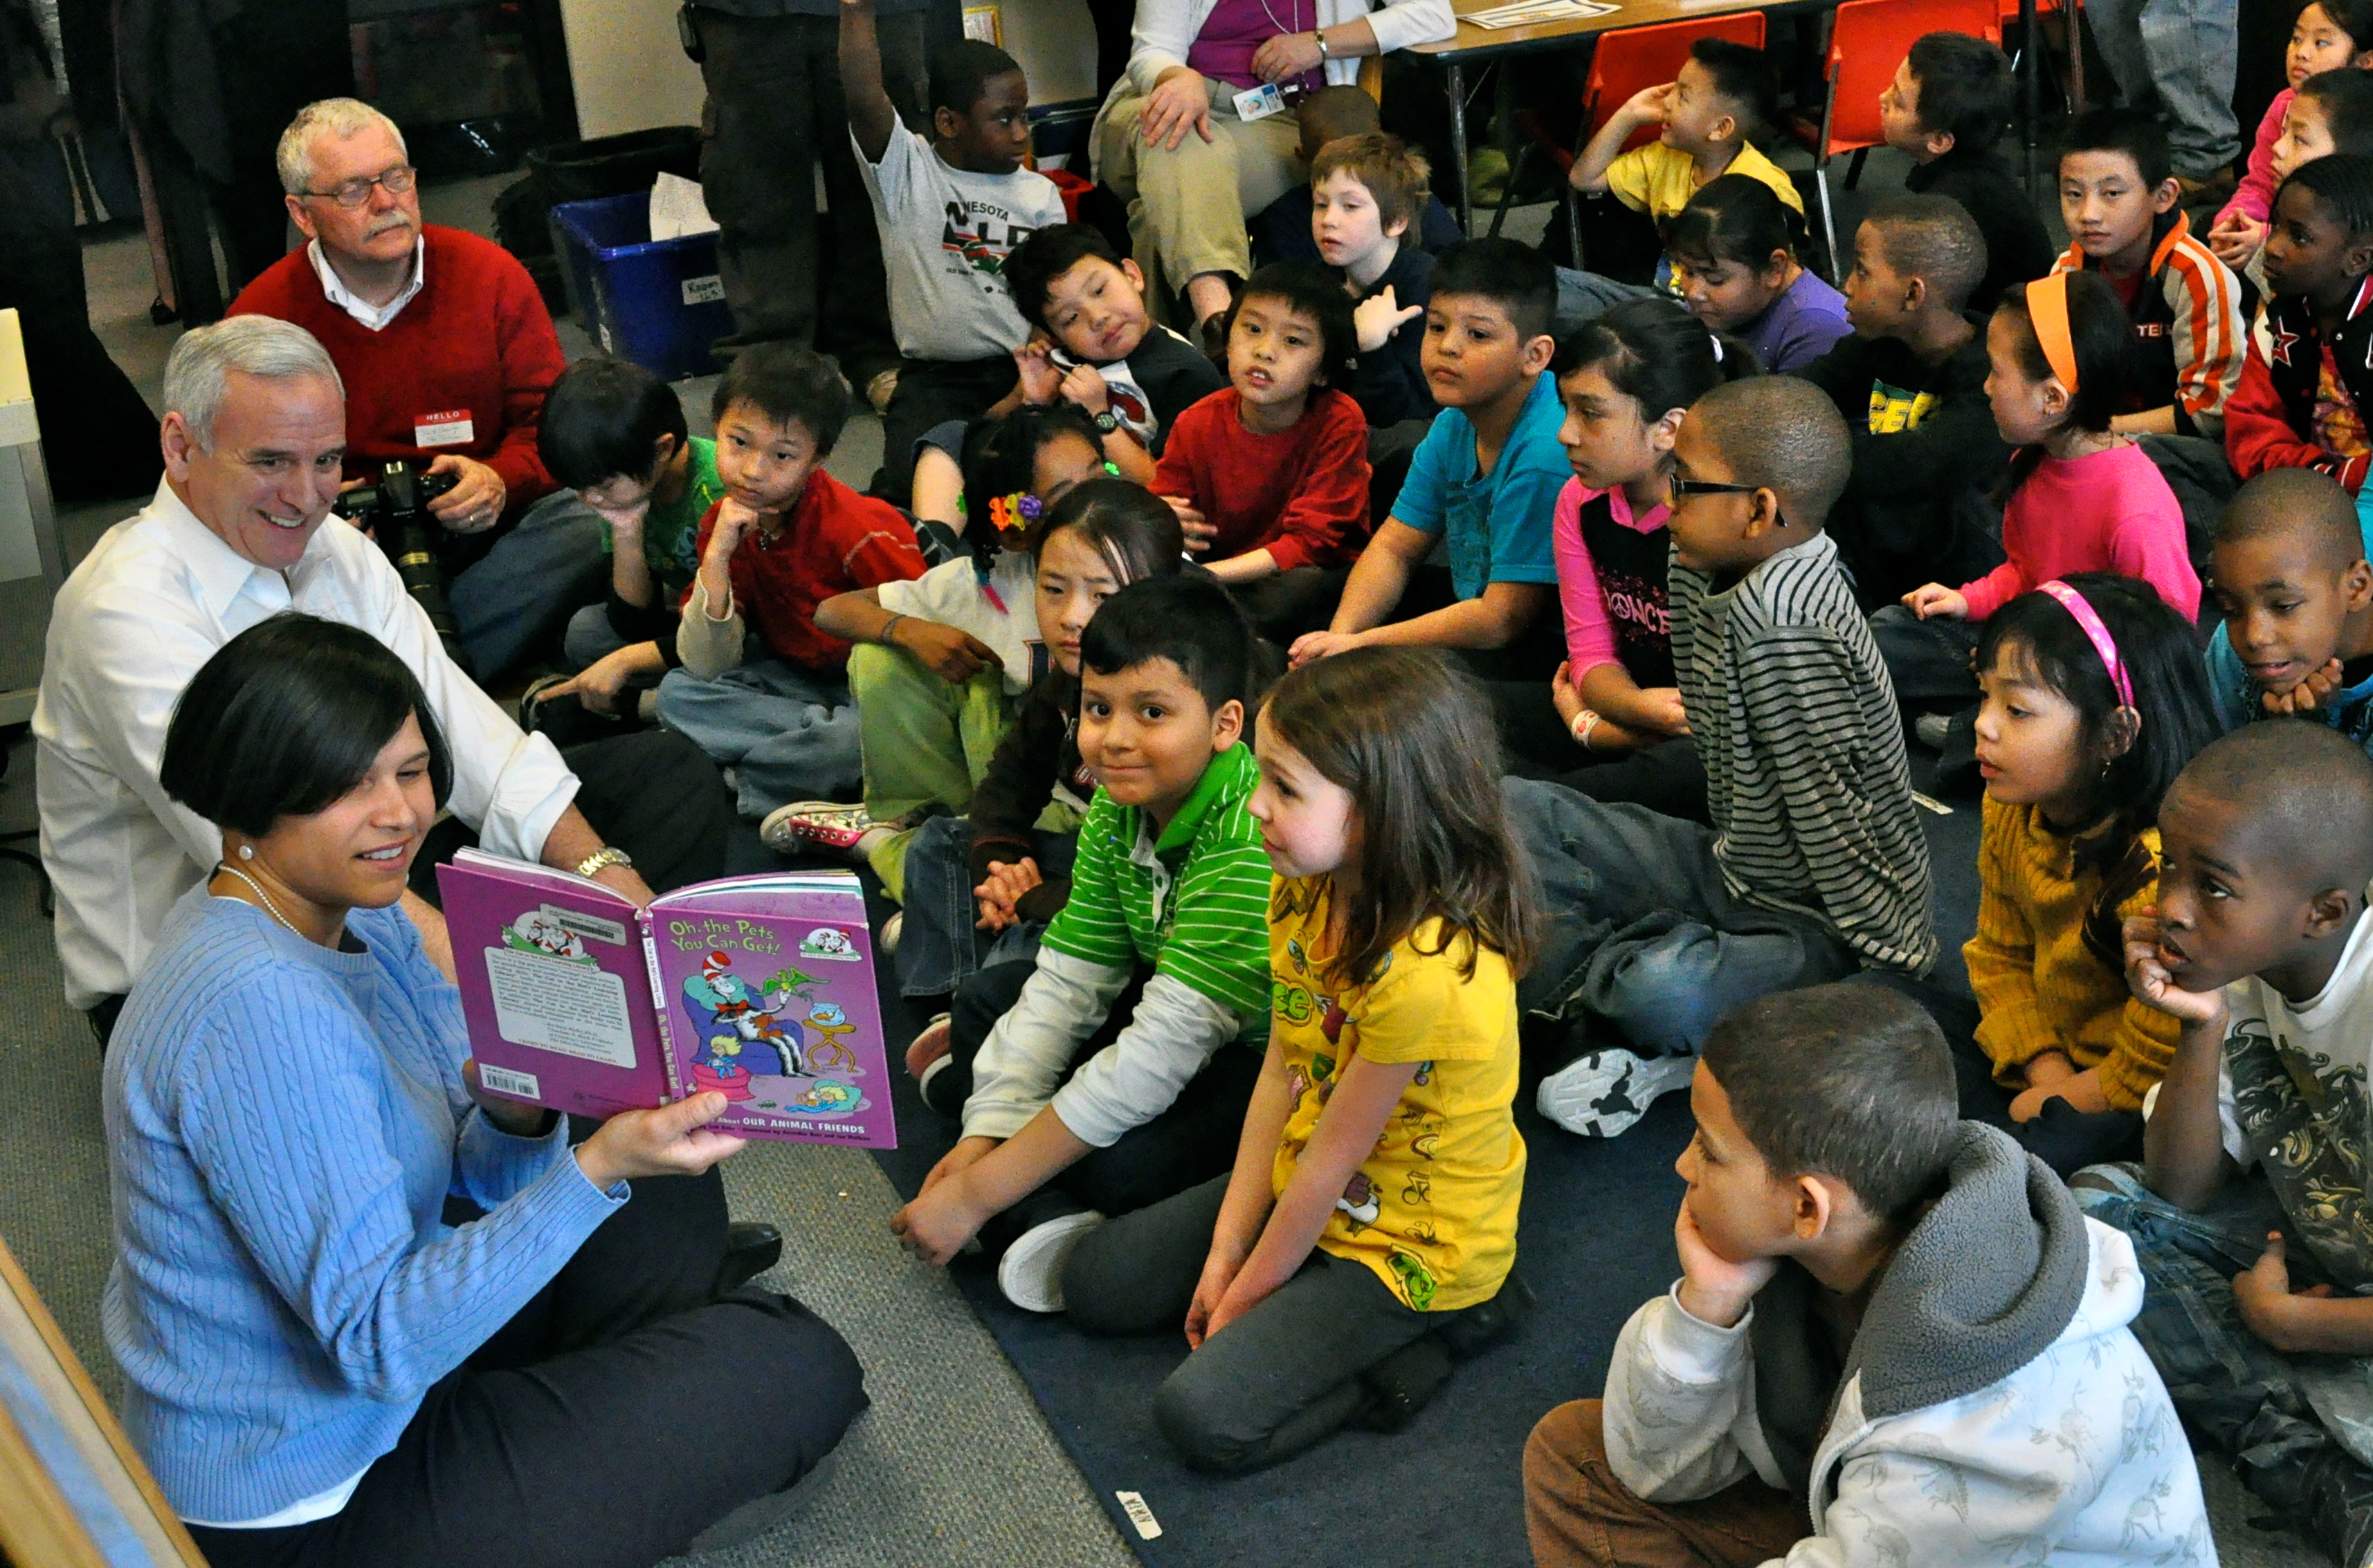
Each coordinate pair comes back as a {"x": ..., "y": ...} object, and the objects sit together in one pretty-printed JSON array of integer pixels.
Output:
[
  {"x": 1364, "y": 198},
  {"x": 2303, "y": 394},
  {"x": 1609, "y": 723},
  {"x": 2291, "y": 577},
  {"x": 2095, "y": 700},
  {"x": 1094, "y": 346},
  {"x": 938, "y": 662},
  {"x": 2325, "y": 37},
  {"x": 1945, "y": 110},
  {"x": 616, "y": 434},
  {"x": 1707, "y": 120},
  {"x": 1892, "y": 1315},
  {"x": 1367, "y": 1232},
  {"x": 1733, "y": 252},
  {"x": 1910, "y": 384},
  {"x": 2247, "y": 1213},
  {"x": 1815, "y": 865},
  {"x": 2084, "y": 498},
  {"x": 761, "y": 690},
  {"x": 1482, "y": 483},
  {"x": 1113, "y": 1071},
  {"x": 1270, "y": 475},
  {"x": 998, "y": 874}
]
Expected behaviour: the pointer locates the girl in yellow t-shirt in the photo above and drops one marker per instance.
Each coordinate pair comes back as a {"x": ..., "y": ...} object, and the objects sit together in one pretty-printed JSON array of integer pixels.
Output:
[{"x": 1368, "y": 1229}]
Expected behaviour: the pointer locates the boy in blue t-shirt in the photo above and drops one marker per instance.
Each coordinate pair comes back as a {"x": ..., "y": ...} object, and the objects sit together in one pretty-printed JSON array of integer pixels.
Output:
[
  {"x": 1482, "y": 483},
  {"x": 2297, "y": 595}
]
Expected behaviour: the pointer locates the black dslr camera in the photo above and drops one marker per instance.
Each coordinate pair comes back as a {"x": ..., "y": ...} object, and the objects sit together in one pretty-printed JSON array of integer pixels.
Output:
[{"x": 394, "y": 508}]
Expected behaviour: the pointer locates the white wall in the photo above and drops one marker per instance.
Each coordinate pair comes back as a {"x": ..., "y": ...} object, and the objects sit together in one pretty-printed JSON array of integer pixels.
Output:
[
  {"x": 630, "y": 75},
  {"x": 627, "y": 66}
]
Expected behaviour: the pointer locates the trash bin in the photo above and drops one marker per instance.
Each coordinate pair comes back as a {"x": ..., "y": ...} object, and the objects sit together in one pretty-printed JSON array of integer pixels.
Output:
[
  {"x": 582, "y": 172},
  {"x": 658, "y": 302}
]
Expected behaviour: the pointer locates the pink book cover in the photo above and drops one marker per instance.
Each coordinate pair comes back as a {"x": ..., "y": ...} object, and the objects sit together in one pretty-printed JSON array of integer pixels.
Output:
[
  {"x": 766, "y": 993},
  {"x": 555, "y": 986}
]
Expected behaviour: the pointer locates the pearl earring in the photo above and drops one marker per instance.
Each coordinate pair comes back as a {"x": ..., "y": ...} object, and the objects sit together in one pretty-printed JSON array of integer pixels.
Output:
[{"x": 247, "y": 851}]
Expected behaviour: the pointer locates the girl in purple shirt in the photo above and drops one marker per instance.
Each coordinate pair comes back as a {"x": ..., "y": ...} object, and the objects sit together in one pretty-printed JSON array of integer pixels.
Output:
[{"x": 1734, "y": 255}]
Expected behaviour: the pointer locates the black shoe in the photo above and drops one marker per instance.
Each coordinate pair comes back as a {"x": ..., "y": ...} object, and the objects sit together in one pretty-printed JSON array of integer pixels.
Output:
[
  {"x": 751, "y": 1249},
  {"x": 1402, "y": 1384}
]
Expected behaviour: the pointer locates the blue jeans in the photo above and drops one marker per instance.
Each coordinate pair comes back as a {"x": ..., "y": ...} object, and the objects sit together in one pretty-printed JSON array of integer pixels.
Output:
[
  {"x": 1642, "y": 931},
  {"x": 528, "y": 582},
  {"x": 2180, "y": 53},
  {"x": 589, "y": 638},
  {"x": 789, "y": 734},
  {"x": 2287, "y": 1422},
  {"x": 1584, "y": 297},
  {"x": 939, "y": 948}
]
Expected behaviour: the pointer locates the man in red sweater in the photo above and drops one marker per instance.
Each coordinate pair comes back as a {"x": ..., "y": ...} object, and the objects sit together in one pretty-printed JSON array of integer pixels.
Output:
[{"x": 447, "y": 352}]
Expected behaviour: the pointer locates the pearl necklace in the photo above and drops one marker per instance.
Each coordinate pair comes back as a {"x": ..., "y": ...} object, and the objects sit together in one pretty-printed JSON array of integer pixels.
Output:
[{"x": 269, "y": 906}]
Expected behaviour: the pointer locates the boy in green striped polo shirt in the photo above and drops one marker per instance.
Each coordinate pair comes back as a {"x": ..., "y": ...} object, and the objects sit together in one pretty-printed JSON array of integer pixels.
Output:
[{"x": 1109, "y": 1074}]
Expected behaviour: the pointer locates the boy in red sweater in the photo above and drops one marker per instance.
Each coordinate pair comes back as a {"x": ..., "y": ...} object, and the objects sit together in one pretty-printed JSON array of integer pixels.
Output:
[
  {"x": 1271, "y": 474},
  {"x": 762, "y": 690},
  {"x": 446, "y": 351}
]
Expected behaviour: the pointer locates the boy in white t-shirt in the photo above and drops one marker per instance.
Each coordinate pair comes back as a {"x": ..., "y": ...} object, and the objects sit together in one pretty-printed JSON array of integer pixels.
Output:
[
  {"x": 2258, "y": 1312},
  {"x": 948, "y": 213}
]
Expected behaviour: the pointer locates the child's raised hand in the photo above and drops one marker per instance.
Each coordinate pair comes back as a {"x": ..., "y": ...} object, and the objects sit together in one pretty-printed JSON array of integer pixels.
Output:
[
  {"x": 1085, "y": 387},
  {"x": 1935, "y": 602},
  {"x": 954, "y": 655},
  {"x": 1713, "y": 1288},
  {"x": 1377, "y": 318},
  {"x": 2308, "y": 693},
  {"x": 1003, "y": 890},
  {"x": 1648, "y": 106},
  {"x": 2148, "y": 978}
]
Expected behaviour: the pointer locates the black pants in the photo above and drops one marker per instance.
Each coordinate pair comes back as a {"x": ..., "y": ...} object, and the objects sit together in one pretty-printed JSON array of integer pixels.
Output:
[
  {"x": 2061, "y": 1136},
  {"x": 1535, "y": 744},
  {"x": 617, "y": 1415},
  {"x": 774, "y": 116},
  {"x": 1274, "y": 1381},
  {"x": 1535, "y": 654},
  {"x": 1301, "y": 599},
  {"x": 1192, "y": 1141},
  {"x": 932, "y": 391}
]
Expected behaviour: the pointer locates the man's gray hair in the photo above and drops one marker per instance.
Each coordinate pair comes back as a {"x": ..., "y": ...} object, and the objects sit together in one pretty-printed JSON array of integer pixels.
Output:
[
  {"x": 197, "y": 374},
  {"x": 337, "y": 117}
]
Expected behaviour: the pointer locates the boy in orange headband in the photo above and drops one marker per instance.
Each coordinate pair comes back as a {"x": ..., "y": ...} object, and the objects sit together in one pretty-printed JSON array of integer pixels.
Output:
[
  {"x": 2305, "y": 385},
  {"x": 2086, "y": 499}
]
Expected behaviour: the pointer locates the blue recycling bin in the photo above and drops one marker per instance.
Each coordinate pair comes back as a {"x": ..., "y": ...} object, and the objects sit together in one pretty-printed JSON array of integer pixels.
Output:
[{"x": 658, "y": 302}]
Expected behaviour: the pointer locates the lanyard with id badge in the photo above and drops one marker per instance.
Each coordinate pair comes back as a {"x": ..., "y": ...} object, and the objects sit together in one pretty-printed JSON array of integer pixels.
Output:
[{"x": 1269, "y": 98}]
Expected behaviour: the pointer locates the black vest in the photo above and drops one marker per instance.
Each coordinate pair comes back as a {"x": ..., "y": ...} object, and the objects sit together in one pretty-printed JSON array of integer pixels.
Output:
[{"x": 1630, "y": 566}]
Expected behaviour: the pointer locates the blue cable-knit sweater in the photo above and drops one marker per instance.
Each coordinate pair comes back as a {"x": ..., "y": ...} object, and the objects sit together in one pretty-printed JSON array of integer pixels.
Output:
[{"x": 283, "y": 1125}]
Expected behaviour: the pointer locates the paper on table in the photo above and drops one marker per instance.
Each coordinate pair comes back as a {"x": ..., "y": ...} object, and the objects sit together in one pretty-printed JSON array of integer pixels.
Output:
[
  {"x": 1529, "y": 13},
  {"x": 678, "y": 209}
]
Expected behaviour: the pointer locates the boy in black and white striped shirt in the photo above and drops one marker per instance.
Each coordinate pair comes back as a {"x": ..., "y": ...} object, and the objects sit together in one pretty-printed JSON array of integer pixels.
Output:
[{"x": 1815, "y": 865}]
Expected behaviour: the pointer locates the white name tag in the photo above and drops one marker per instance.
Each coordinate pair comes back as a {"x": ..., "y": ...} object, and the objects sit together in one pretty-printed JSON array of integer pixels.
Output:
[
  {"x": 1260, "y": 102},
  {"x": 447, "y": 427}
]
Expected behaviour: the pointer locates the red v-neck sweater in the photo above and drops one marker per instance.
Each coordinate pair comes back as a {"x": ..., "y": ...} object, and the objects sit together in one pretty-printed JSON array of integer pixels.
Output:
[{"x": 475, "y": 338}]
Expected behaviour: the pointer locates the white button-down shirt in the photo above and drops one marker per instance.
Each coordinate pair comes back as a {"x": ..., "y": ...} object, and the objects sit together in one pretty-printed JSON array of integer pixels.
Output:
[
  {"x": 375, "y": 316},
  {"x": 151, "y": 603}
]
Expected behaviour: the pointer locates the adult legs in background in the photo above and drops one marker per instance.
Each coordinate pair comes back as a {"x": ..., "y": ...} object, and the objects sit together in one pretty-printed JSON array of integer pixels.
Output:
[
  {"x": 787, "y": 733},
  {"x": 2179, "y": 53},
  {"x": 926, "y": 742},
  {"x": 939, "y": 947},
  {"x": 657, "y": 797},
  {"x": 1580, "y": 1515},
  {"x": 1113, "y": 20},
  {"x": 1188, "y": 205},
  {"x": 562, "y": 1441},
  {"x": 2059, "y": 1135},
  {"x": 537, "y": 575},
  {"x": 774, "y": 116},
  {"x": 2267, "y": 1413},
  {"x": 1276, "y": 1380},
  {"x": 932, "y": 391}
]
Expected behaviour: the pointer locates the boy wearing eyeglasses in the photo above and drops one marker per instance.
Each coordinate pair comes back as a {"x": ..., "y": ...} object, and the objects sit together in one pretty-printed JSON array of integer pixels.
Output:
[
  {"x": 1815, "y": 865},
  {"x": 447, "y": 352}
]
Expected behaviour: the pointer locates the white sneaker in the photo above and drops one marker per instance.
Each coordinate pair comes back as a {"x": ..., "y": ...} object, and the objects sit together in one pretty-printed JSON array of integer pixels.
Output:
[
  {"x": 1601, "y": 1093},
  {"x": 1031, "y": 1273},
  {"x": 892, "y": 929}
]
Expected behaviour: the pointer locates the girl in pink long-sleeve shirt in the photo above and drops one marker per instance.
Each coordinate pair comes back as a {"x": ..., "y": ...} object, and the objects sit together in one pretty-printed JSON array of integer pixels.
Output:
[
  {"x": 2329, "y": 34},
  {"x": 2084, "y": 498}
]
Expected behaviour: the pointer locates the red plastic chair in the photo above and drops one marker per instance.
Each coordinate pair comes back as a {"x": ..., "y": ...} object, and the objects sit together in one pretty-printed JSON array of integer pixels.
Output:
[
  {"x": 1632, "y": 58},
  {"x": 1869, "y": 39}
]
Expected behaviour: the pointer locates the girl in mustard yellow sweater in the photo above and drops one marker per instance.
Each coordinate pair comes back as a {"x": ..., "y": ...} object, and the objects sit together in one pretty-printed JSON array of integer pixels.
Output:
[{"x": 2095, "y": 697}]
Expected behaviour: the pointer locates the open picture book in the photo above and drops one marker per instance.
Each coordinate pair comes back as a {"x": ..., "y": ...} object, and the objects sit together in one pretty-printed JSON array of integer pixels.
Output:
[{"x": 758, "y": 987}]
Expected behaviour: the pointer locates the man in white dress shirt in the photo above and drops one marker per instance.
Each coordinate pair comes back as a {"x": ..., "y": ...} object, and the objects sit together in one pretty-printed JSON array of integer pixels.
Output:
[{"x": 255, "y": 434}]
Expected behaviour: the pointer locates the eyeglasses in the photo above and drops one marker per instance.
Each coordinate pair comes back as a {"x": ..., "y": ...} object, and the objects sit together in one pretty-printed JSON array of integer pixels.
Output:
[
  {"x": 355, "y": 192},
  {"x": 1680, "y": 487}
]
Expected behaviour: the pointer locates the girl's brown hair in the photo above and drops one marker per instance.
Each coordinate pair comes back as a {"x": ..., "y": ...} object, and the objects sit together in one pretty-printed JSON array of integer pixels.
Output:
[{"x": 1412, "y": 740}]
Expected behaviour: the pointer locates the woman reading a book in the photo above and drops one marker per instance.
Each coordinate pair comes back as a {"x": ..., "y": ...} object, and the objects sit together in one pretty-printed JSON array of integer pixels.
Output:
[{"x": 323, "y": 1367}]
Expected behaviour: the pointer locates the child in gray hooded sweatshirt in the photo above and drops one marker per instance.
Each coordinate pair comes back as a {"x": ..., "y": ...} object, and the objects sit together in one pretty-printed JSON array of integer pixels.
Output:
[{"x": 1891, "y": 1326}]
